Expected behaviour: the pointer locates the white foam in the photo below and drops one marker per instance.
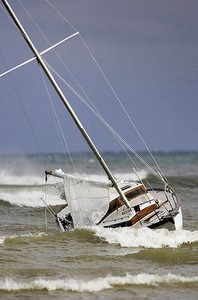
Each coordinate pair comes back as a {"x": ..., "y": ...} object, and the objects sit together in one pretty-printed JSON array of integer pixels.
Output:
[
  {"x": 94, "y": 285},
  {"x": 145, "y": 237},
  {"x": 2, "y": 239}
]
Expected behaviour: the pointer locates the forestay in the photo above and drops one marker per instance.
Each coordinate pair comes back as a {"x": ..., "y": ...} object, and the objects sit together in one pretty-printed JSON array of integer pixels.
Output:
[{"x": 88, "y": 199}]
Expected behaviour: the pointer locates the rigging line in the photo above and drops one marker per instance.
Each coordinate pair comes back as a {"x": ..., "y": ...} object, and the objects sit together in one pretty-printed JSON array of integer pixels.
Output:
[
  {"x": 44, "y": 197},
  {"x": 71, "y": 74},
  {"x": 75, "y": 80},
  {"x": 24, "y": 111},
  {"x": 133, "y": 151},
  {"x": 130, "y": 158},
  {"x": 92, "y": 104},
  {"x": 59, "y": 127},
  {"x": 104, "y": 122},
  {"x": 89, "y": 51},
  {"x": 39, "y": 27},
  {"x": 103, "y": 76},
  {"x": 60, "y": 14},
  {"x": 111, "y": 88},
  {"x": 139, "y": 157},
  {"x": 49, "y": 96},
  {"x": 100, "y": 71},
  {"x": 50, "y": 48},
  {"x": 46, "y": 223},
  {"x": 52, "y": 213},
  {"x": 93, "y": 107},
  {"x": 122, "y": 106}
]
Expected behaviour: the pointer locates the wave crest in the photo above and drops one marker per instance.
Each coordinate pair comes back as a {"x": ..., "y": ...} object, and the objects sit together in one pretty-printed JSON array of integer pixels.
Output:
[
  {"x": 145, "y": 237},
  {"x": 94, "y": 285}
]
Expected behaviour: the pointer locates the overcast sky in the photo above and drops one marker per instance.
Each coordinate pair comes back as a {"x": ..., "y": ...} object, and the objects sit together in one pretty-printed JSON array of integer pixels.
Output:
[{"x": 148, "y": 50}]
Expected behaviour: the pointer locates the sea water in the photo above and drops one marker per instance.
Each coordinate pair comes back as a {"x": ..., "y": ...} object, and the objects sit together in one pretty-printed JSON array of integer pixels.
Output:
[{"x": 38, "y": 262}]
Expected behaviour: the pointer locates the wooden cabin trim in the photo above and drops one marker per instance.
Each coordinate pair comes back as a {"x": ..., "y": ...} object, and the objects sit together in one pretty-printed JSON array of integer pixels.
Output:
[
  {"x": 116, "y": 203},
  {"x": 143, "y": 213}
]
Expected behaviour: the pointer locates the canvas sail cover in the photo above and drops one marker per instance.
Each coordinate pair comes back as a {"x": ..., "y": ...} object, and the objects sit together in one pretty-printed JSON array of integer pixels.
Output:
[{"x": 88, "y": 199}]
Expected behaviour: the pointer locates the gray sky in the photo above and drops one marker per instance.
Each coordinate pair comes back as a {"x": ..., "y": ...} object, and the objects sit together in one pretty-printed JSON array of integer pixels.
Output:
[{"x": 148, "y": 50}]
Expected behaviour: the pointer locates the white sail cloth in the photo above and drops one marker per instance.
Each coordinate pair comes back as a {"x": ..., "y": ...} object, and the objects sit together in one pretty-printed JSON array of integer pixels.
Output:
[{"x": 88, "y": 199}]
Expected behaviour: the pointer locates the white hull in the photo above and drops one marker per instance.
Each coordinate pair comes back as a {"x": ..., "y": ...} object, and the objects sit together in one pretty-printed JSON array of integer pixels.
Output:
[{"x": 148, "y": 208}]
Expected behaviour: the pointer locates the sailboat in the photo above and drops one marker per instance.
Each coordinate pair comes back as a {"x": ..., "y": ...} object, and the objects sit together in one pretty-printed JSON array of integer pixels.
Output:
[{"x": 112, "y": 203}]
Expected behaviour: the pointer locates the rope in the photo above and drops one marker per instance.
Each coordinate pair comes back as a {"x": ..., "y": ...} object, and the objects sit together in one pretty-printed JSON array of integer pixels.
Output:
[
  {"x": 39, "y": 149},
  {"x": 98, "y": 115},
  {"x": 113, "y": 91},
  {"x": 60, "y": 14},
  {"x": 121, "y": 104},
  {"x": 108, "y": 83},
  {"x": 58, "y": 125},
  {"x": 93, "y": 107},
  {"x": 50, "y": 210}
]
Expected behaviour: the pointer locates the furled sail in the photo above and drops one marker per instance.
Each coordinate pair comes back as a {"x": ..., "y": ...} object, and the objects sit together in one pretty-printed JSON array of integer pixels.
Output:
[{"x": 88, "y": 199}]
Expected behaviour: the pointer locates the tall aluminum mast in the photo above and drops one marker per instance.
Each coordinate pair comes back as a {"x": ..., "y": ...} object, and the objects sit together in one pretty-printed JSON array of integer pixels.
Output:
[{"x": 66, "y": 103}]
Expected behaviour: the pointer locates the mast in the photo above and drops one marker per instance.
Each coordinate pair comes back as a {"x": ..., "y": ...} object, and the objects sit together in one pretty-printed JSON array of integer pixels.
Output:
[{"x": 43, "y": 65}]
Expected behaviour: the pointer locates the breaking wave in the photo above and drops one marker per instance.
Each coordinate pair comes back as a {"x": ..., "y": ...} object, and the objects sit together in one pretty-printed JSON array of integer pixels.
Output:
[
  {"x": 145, "y": 237},
  {"x": 125, "y": 237},
  {"x": 5, "y": 238},
  {"x": 7, "y": 178},
  {"x": 95, "y": 285},
  {"x": 30, "y": 198}
]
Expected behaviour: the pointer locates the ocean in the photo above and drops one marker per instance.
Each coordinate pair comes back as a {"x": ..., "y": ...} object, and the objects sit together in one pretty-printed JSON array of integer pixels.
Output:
[{"x": 38, "y": 262}]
